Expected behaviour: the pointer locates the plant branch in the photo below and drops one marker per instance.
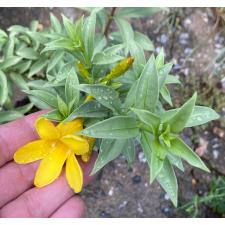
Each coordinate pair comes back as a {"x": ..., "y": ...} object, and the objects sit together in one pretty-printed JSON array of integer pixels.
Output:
[{"x": 109, "y": 21}]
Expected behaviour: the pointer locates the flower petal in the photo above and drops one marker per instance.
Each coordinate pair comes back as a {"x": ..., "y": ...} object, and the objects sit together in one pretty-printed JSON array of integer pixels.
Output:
[
  {"x": 75, "y": 143},
  {"x": 51, "y": 166},
  {"x": 46, "y": 129},
  {"x": 74, "y": 174},
  {"x": 32, "y": 151},
  {"x": 86, "y": 157},
  {"x": 70, "y": 127}
]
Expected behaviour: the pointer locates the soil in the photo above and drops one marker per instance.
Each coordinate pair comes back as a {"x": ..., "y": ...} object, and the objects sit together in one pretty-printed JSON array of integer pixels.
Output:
[{"x": 191, "y": 40}]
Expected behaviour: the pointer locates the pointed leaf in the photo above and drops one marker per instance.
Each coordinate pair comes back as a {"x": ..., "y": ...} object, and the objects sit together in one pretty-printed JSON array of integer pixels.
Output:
[
  {"x": 71, "y": 92},
  {"x": 147, "y": 117},
  {"x": 89, "y": 34},
  {"x": 201, "y": 115},
  {"x": 129, "y": 152},
  {"x": 147, "y": 93},
  {"x": 106, "y": 95},
  {"x": 118, "y": 127},
  {"x": 157, "y": 159},
  {"x": 3, "y": 88},
  {"x": 180, "y": 119},
  {"x": 179, "y": 148},
  {"x": 109, "y": 150},
  {"x": 88, "y": 110},
  {"x": 168, "y": 181}
]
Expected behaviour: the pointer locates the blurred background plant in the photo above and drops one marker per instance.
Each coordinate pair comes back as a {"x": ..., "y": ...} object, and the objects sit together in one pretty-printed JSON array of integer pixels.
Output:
[{"x": 213, "y": 200}]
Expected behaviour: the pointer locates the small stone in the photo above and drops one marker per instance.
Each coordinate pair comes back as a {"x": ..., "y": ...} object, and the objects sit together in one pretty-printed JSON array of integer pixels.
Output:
[
  {"x": 123, "y": 205},
  {"x": 140, "y": 208},
  {"x": 167, "y": 211},
  {"x": 184, "y": 38},
  {"x": 187, "y": 51},
  {"x": 111, "y": 191},
  {"x": 193, "y": 181},
  {"x": 164, "y": 39},
  {"x": 215, "y": 140},
  {"x": 218, "y": 131},
  {"x": 141, "y": 157},
  {"x": 187, "y": 22},
  {"x": 166, "y": 197},
  {"x": 215, "y": 154},
  {"x": 136, "y": 179},
  {"x": 104, "y": 214}
]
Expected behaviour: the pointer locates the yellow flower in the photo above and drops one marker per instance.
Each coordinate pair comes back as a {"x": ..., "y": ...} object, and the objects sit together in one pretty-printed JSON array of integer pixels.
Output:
[{"x": 57, "y": 145}]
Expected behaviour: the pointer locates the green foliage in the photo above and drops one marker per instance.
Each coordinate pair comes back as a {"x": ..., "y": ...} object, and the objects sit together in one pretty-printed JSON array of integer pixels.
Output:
[
  {"x": 214, "y": 199},
  {"x": 78, "y": 69}
]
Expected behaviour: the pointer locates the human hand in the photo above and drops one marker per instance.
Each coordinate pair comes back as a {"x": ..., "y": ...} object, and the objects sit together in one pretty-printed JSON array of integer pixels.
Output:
[{"x": 18, "y": 196}]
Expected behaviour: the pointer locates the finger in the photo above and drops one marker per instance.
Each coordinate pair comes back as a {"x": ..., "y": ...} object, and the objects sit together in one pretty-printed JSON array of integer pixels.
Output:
[
  {"x": 42, "y": 202},
  {"x": 72, "y": 208},
  {"x": 14, "y": 180},
  {"x": 15, "y": 134}
]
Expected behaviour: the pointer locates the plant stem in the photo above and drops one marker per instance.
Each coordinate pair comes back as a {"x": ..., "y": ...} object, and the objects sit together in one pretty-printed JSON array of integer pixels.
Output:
[{"x": 109, "y": 21}]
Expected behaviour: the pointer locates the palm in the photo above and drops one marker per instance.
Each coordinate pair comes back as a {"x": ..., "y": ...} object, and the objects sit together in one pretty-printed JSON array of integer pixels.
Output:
[{"x": 18, "y": 197}]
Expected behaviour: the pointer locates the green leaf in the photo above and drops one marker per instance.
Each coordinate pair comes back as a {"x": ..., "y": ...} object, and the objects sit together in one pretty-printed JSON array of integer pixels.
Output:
[
  {"x": 106, "y": 95},
  {"x": 71, "y": 92},
  {"x": 27, "y": 53},
  {"x": 9, "y": 47},
  {"x": 89, "y": 34},
  {"x": 54, "y": 115},
  {"x": 10, "y": 61},
  {"x": 7, "y": 116},
  {"x": 70, "y": 28},
  {"x": 168, "y": 181},
  {"x": 180, "y": 119},
  {"x": 171, "y": 79},
  {"x": 201, "y": 115},
  {"x": 118, "y": 127},
  {"x": 147, "y": 93},
  {"x": 112, "y": 50},
  {"x": 89, "y": 109},
  {"x": 55, "y": 24},
  {"x": 166, "y": 176},
  {"x": 61, "y": 44},
  {"x": 45, "y": 96},
  {"x": 62, "y": 106},
  {"x": 109, "y": 150},
  {"x": 163, "y": 74},
  {"x": 146, "y": 146},
  {"x": 137, "y": 12},
  {"x": 3, "y": 88},
  {"x": 157, "y": 159},
  {"x": 166, "y": 95},
  {"x": 130, "y": 98},
  {"x": 148, "y": 118},
  {"x": 54, "y": 60},
  {"x": 125, "y": 29},
  {"x": 139, "y": 57},
  {"x": 38, "y": 103},
  {"x": 23, "y": 66},
  {"x": 37, "y": 66},
  {"x": 176, "y": 161},
  {"x": 25, "y": 108},
  {"x": 143, "y": 41},
  {"x": 3, "y": 33},
  {"x": 103, "y": 59},
  {"x": 159, "y": 61},
  {"x": 180, "y": 149},
  {"x": 129, "y": 152}
]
